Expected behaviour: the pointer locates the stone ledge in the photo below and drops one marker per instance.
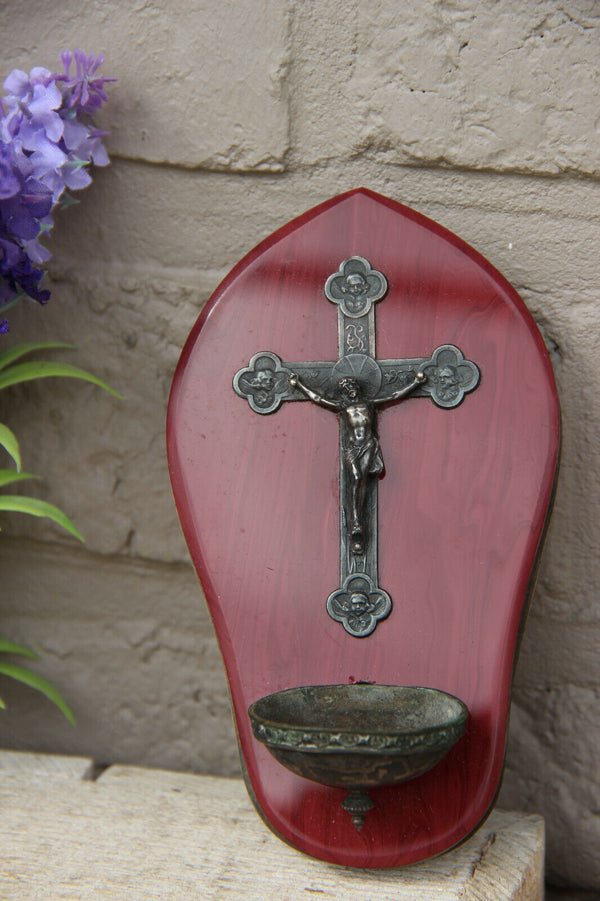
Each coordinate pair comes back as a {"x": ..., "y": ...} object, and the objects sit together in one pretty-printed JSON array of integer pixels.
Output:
[{"x": 154, "y": 834}]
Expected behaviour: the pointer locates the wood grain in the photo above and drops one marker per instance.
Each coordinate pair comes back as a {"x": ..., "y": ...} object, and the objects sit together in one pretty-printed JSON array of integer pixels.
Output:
[
  {"x": 150, "y": 834},
  {"x": 462, "y": 508}
]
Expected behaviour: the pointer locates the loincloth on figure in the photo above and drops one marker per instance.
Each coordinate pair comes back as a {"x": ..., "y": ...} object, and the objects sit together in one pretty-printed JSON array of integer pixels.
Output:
[{"x": 366, "y": 457}]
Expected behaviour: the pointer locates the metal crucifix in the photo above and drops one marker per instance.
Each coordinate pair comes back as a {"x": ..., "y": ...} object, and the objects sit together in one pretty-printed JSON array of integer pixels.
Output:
[{"x": 354, "y": 386}]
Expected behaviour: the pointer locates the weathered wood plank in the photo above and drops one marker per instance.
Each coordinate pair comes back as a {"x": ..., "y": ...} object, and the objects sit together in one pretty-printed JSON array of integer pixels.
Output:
[
  {"x": 24, "y": 763},
  {"x": 149, "y": 834}
]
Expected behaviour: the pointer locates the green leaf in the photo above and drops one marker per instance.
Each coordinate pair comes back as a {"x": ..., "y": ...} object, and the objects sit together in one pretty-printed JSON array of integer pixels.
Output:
[
  {"x": 35, "y": 507},
  {"x": 2, "y": 705},
  {"x": 12, "y": 303},
  {"x": 40, "y": 684},
  {"x": 7, "y": 476},
  {"x": 10, "y": 647},
  {"x": 10, "y": 444},
  {"x": 8, "y": 356},
  {"x": 67, "y": 200},
  {"x": 26, "y": 372},
  {"x": 77, "y": 164}
]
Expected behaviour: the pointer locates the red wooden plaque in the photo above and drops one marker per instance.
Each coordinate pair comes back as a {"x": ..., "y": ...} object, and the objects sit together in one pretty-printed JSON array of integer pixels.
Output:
[{"x": 462, "y": 506}]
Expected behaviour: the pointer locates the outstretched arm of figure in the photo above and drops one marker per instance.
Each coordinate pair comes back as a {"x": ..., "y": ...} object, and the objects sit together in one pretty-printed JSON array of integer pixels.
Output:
[
  {"x": 402, "y": 392},
  {"x": 312, "y": 395}
]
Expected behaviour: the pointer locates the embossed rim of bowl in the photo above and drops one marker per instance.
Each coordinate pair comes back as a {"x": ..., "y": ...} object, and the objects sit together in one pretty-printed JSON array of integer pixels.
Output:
[{"x": 277, "y": 733}]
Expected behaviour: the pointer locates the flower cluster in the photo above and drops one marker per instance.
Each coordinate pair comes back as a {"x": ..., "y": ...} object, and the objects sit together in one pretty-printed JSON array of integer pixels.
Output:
[{"x": 47, "y": 142}]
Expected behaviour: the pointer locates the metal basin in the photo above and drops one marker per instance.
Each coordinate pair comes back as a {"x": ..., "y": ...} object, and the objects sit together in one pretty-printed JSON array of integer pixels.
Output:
[{"x": 358, "y": 736}]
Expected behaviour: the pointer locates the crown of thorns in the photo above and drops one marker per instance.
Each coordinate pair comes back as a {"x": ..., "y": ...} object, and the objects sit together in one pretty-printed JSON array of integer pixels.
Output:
[{"x": 347, "y": 382}]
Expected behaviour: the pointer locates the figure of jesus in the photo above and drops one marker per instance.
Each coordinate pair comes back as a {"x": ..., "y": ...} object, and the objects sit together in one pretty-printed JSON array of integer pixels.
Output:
[{"x": 362, "y": 457}]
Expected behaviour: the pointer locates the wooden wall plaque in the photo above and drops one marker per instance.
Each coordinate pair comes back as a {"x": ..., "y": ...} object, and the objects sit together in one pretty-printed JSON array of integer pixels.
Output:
[{"x": 462, "y": 506}]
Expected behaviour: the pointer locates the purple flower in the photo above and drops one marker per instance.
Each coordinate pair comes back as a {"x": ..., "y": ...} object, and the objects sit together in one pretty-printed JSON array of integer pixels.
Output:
[
  {"x": 82, "y": 92},
  {"x": 20, "y": 214},
  {"x": 33, "y": 126},
  {"x": 41, "y": 115},
  {"x": 18, "y": 276},
  {"x": 85, "y": 143},
  {"x": 9, "y": 180},
  {"x": 31, "y": 105},
  {"x": 20, "y": 217},
  {"x": 45, "y": 149}
]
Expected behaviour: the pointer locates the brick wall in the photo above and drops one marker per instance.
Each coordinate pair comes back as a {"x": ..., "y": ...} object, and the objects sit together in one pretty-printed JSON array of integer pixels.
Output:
[{"x": 230, "y": 118}]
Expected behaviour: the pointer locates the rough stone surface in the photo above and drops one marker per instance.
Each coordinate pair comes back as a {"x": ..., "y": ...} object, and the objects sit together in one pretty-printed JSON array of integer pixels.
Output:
[
  {"x": 104, "y": 459},
  {"x": 555, "y": 741},
  {"x": 130, "y": 646},
  {"x": 485, "y": 86},
  {"x": 188, "y": 94},
  {"x": 541, "y": 233},
  {"x": 227, "y": 121},
  {"x": 552, "y": 762}
]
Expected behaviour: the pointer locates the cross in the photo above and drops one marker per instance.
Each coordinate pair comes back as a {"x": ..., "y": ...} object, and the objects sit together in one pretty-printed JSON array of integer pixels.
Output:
[{"x": 354, "y": 386}]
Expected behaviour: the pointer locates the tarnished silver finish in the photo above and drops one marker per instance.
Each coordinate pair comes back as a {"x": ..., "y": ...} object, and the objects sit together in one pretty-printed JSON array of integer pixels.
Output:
[
  {"x": 353, "y": 387},
  {"x": 448, "y": 376},
  {"x": 358, "y": 736},
  {"x": 358, "y": 804},
  {"x": 355, "y": 287},
  {"x": 359, "y": 604},
  {"x": 355, "y": 398},
  {"x": 264, "y": 382}
]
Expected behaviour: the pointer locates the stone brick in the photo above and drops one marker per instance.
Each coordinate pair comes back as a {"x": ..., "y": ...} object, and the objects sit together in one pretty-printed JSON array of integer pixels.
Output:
[
  {"x": 104, "y": 459},
  {"x": 542, "y": 235},
  {"x": 555, "y": 652},
  {"x": 552, "y": 757},
  {"x": 485, "y": 87},
  {"x": 552, "y": 768},
  {"x": 569, "y": 580},
  {"x": 199, "y": 85},
  {"x": 132, "y": 649}
]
